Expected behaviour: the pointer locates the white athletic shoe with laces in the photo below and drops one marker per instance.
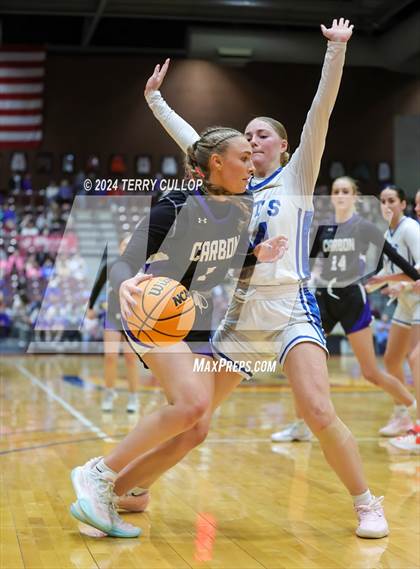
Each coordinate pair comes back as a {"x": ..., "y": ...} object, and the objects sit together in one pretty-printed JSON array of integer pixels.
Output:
[
  {"x": 94, "y": 491},
  {"x": 108, "y": 397},
  {"x": 372, "y": 521},
  {"x": 397, "y": 425},
  {"x": 409, "y": 442},
  {"x": 297, "y": 431}
]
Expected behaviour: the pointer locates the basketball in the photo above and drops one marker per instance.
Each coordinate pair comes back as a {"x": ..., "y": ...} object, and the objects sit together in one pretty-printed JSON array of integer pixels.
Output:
[{"x": 164, "y": 313}]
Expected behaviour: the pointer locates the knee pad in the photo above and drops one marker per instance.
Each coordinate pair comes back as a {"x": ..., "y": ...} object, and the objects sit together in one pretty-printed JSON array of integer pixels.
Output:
[{"x": 335, "y": 432}]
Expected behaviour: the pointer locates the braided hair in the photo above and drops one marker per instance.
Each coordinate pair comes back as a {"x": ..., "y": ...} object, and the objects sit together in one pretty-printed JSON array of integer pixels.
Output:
[{"x": 212, "y": 139}]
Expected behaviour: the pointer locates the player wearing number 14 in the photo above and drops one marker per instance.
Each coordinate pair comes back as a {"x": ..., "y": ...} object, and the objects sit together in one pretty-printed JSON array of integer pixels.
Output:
[{"x": 343, "y": 241}]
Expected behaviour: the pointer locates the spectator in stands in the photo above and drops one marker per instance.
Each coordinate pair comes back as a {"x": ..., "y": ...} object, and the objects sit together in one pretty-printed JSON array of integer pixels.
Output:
[
  {"x": 9, "y": 212},
  {"x": 65, "y": 193},
  {"x": 15, "y": 262},
  {"x": 32, "y": 269},
  {"x": 27, "y": 184},
  {"x": 9, "y": 226},
  {"x": 47, "y": 268},
  {"x": 76, "y": 266},
  {"x": 28, "y": 227},
  {"x": 78, "y": 182},
  {"x": 21, "y": 315},
  {"x": 15, "y": 183},
  {"x": 41, "y": 221},
  {"x": 382, "y": 328},
  {"x": 5, "y": 319},
  {"x": 51, "y": 192},
  {"x": 56, "y": 222}
]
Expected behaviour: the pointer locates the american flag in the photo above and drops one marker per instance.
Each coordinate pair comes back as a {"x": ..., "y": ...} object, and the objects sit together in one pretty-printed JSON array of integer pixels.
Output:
[{"x": 22, "y": 72}]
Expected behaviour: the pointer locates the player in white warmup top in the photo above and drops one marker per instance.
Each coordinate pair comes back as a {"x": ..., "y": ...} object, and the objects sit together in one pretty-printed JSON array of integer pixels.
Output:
[
  {"x": 342, "y": 297},
  {"x": 279, "y": 316},
  {"x": 404, "y": 235},
  {"x": 410, "y": 442}
]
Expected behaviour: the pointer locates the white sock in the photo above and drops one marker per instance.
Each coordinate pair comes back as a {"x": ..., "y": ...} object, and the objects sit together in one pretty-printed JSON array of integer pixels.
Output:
[
  {"x": 400, "y": 410},
  {"x": 363, "y": 499},
  {"x": 103, "y": 468}
]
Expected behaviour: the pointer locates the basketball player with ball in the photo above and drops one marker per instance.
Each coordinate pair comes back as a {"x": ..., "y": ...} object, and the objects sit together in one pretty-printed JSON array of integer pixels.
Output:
[
  {"x": 182, "y": 252},
  {"x": 277, "y": 317}
]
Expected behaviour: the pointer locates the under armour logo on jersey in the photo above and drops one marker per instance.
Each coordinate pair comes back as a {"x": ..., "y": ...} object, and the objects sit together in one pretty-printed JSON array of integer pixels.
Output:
[{"x": 202, "y": 220}]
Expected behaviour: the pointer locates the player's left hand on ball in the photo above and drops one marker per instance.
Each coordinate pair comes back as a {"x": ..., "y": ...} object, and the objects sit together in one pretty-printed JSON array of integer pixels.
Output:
[
  {"x": 272, "y": 249},
  {"x": 128, "y": 289},
  {"x": 341, "y": 30}
]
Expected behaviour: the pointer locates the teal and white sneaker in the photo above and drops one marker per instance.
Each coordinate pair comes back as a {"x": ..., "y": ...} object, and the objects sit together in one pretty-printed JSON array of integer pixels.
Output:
[
  {"x": 94, "y": 491},
  {"x": 119, "y": 527}
]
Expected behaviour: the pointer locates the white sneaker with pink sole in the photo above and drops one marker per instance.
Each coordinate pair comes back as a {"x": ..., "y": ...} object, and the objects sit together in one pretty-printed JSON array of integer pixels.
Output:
[{"x": 372, "y": 521}]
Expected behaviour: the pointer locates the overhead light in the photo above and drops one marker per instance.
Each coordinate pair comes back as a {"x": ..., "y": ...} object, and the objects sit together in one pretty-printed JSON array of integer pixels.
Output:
[{"x": 245, "y": 52}]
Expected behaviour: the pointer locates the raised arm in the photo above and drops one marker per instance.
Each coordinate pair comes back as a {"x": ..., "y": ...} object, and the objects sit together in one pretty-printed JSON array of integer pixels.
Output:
[
  {"x": 178, "y": 129},
  {"x": 306, "y": 160}
]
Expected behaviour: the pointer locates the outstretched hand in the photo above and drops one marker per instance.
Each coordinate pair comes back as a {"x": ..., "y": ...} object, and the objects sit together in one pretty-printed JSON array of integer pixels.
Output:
[
  {"x": 155, "y": 81},
  {"x": 341, "y": 30},
  {"x": 272, "y": 249}
]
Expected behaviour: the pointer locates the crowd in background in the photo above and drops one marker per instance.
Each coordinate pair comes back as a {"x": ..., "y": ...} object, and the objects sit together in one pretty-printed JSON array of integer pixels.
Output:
[{"x": 32, "y": 226}]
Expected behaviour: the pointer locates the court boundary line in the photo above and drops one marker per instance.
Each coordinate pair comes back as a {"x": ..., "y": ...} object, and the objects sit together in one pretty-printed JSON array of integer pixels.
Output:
[
  {"x": 46, "y": 445},
  {"x": 67, "y": 406},
  {"x": 228, "y": 440}
]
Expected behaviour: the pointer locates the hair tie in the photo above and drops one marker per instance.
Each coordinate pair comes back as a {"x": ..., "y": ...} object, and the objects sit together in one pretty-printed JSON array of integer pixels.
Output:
[{"x": 199, "y": 172}]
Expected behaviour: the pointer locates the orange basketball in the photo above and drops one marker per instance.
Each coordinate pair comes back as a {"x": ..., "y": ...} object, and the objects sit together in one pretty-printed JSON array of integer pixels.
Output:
[{"x": 164, "y": 313}]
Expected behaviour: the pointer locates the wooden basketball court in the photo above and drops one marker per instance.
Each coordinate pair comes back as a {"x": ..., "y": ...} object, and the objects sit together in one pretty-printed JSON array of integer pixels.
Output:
[{"x": 237, "y": 502}]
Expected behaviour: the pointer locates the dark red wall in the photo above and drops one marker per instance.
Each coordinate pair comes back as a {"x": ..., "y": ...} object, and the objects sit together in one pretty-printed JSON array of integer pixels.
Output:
[{"x": 95, "y": 104}]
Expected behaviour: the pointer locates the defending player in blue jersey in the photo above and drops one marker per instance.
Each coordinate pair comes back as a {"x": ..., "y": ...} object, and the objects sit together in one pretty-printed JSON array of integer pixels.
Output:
[{"x": 276, "y": 316}]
